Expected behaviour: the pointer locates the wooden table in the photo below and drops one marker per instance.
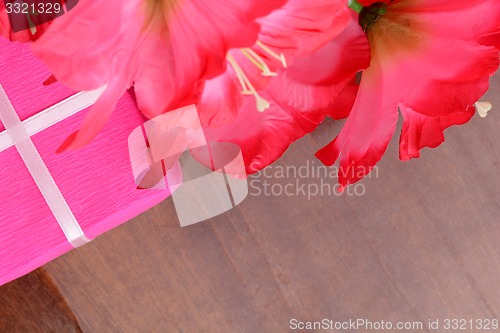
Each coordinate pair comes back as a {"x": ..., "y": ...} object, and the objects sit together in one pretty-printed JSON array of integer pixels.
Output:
[{"x": 423, "y": 242}]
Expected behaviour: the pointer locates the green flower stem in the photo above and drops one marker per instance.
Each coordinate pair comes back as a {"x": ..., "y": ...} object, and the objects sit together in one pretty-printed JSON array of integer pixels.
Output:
[{"x": 355, "y": 5}]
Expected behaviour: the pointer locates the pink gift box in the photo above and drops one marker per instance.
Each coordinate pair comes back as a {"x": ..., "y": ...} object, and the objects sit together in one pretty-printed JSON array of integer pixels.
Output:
[{"x": 96, "y": 182}]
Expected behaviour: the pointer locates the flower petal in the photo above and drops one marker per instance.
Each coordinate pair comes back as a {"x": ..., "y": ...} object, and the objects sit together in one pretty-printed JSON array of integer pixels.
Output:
[
  {"x": 312, "y": 91},
  {"x": 491, "y": 39},
  {"x": 201, "y": 34},
  {"x": 301, "y": 27},
  {"x": 96, "y": 47},
  {"x": 96, "y": 118},
  {"x": 421, "y": 131},
  {"x": 407, "y": 71},
  {"x": 262, "y": 136},
  {"x": 423, "y": 83},
  {"x": 367, "y": 131},
  {"x": 466, "y": 20},
  {"x": 220, "y": 100}
]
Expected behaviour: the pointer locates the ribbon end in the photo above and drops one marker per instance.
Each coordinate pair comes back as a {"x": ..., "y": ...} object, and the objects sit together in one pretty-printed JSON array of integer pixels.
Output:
[{"x": 80, "y": 241}]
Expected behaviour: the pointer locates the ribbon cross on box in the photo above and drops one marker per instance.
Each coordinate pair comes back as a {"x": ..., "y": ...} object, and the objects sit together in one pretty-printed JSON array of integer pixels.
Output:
[{"x": 19, "y": 134}]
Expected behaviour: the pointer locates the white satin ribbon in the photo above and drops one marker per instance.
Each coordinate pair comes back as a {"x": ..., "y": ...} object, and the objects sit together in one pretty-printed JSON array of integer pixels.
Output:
[{"x": 19, "y": 133}]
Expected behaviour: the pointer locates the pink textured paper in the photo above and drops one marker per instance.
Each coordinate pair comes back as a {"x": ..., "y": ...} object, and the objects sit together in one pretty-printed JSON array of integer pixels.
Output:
[{"x": 97, "y": 182}]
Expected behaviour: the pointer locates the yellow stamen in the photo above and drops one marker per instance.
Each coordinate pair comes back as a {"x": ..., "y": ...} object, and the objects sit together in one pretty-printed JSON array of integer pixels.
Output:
[
  {"x": 257, "y": 61},
  {"x": 237, "y": 69},
  {"x": 483, "y": 108},
  {"x": 248, "y": 89},
  {"x": 31, "y": 24},
  {"x": 280, "y": 57}
]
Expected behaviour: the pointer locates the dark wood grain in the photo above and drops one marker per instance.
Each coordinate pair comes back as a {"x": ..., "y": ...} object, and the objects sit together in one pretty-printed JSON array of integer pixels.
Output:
[
  {"x": 422, "y": 242},
  {"x": 33, "y": 304}
]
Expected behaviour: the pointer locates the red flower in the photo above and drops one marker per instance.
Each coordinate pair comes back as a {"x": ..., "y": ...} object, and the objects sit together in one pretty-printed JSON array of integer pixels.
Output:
[
  {"x": 432, "y": 60},
  {"x": 165, "y": 48},
  {"x": 275, "y": 92}
]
